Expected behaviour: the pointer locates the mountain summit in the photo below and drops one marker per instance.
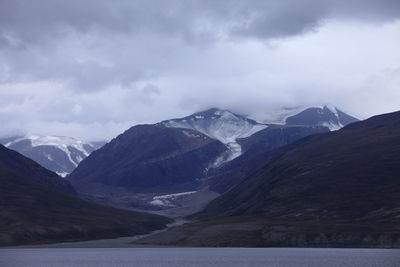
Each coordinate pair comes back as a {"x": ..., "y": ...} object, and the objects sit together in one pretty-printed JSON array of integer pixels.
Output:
[
  {"x": 316, "y": 115},
  {"x": 59, "y": 154},
  {"x": 221, "y": 125},
  {"x": 327, "y": 115},
  {"x": 178, "y": 156}
]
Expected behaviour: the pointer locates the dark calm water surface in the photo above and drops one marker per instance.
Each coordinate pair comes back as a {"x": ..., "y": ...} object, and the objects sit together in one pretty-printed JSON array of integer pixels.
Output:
[{"x": 229, "y": 257}]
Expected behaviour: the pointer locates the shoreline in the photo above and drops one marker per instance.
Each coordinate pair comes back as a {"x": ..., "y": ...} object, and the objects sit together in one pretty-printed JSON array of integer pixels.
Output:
[{"x": 119, "y": 242}]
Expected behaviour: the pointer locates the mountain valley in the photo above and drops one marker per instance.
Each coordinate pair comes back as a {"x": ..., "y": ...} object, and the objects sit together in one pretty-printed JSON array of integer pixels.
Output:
[
  {"x": 311, "y": 178},
  {"x": 193, "y": 153}
]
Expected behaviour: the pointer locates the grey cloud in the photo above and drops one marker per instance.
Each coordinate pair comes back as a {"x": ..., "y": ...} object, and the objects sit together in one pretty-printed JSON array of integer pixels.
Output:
[
  {"x": 148, "y": 93},
  {"x": 46, "y": 40},
  {"x": 96, "y": 67},
  {"x": 38, "y": 22},
  {"x": 25, "y": 21}
]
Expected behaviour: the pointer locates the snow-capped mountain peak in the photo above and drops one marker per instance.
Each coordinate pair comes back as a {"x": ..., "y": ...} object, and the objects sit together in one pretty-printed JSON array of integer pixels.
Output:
[
  {"x": 61, "y": 142},
  {"x": 318, "y": 115},
  {"x": 324, "y": 115},
  {"x": 60, "y": 154},
  {"x": 227, "y": 127},
  {"x": 222, "y": 125}
]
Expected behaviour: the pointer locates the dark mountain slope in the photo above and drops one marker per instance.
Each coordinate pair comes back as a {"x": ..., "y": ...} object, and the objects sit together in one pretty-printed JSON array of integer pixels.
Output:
[
  {"x": 348, "y": 174},
  {"x": 276, "y": 136},
  {"x": 11, "y": 160},
  {"x": 331, "y": 117},
  {"x": 32, "y": 210},
  {"x": 265, "y": 140},
  {"x": 147, "y": 156},
  {"x": 337, "y": 189}
]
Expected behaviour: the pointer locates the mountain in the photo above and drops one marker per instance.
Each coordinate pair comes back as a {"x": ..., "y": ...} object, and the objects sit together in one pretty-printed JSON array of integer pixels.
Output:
[
  {"x": 12, "y": 161},
  {"x": 331, "y": 189},
  {"x": 150, "y": 156},
  {"x": 265, "y": 140},
  {"x": 221, "y": 125},
  {"x": 37, "y": 206},
  {"x": 235, "y": 130},
  {"x": 174, "y": 157},
  {"x": 363, "y": 153},
  {"x": 324, "y": 115},
  {"x": 59, "y": 154}
]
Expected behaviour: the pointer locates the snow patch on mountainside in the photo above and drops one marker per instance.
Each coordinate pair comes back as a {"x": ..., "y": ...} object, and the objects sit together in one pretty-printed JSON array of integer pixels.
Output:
[
  {"x": 62, "y": 143},
  {"x": 225, "y": 126},
  {"x": 332, "y": 126},
  {"x": 221, "y": 125},
  {"x": 188, "y": 134},
  {"x": 167, "y": 200},
  {"x": 332, "y": 108},
  {"x": 62, "y": 174},
  {"x": 279, "y": 116}
]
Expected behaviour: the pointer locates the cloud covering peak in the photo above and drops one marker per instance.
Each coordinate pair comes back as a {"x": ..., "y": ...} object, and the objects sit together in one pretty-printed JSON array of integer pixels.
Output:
[{"x": 70, "y": 66}]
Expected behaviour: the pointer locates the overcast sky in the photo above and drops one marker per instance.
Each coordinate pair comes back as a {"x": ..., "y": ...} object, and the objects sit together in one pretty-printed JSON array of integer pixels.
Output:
[{"x": 92, "y": 68}]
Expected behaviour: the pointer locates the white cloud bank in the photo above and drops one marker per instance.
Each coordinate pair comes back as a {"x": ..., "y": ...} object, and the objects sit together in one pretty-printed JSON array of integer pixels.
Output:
[{"x": 93, "y": 71}]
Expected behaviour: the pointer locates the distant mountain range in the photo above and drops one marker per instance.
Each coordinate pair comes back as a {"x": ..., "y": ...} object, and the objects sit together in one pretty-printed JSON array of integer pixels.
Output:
[
  {"x": 312, "y": 176},
  {"x": 59, "y": 154},
  {"x": 186, "y": 154},
  {"x": 62, "y": 154}
]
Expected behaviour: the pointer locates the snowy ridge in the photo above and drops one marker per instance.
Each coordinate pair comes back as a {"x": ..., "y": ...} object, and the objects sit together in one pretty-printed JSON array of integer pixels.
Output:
[
  {"x": 332, "y": 108},
  {"x": 333, "y": 126},
  {"x": 61, "y": 142},
  {"x": 279, "y": 116},
  {"x": 227, "y": 127},
  {"x": 221, "y": 125}
]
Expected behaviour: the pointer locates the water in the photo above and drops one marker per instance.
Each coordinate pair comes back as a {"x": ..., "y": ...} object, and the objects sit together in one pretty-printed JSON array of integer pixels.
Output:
[{"x": 230, "y": 257}]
